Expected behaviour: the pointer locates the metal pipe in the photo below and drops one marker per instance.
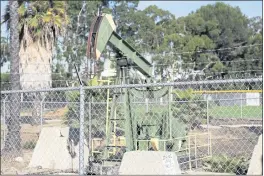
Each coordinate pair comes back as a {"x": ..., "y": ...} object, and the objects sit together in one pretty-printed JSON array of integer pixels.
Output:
[
  {"x": 90, "y": 125},
  {"x": 140, "y": 85},
  {"x": 114, "y": 150},
  {"x": 107, "y": 106},
  {"x": 4, "y": 119},
  {"x": 211, "y": 145},
  {"x": 207, "y": 121},
  {"x": 146, "y": 100},
  {"x": 189, "y": 144},
  {"x": 92, "y": 149},
  {"x": 135, "y": 102},
  {"x": 41, "y": 112},
  {"x": 170, "y": 115},
  {"x": 22, "y": 97},
  {"x": 81, "y": 147},
  {"x": 241, "y": 106},
  {"x": 195, "y": 151}
]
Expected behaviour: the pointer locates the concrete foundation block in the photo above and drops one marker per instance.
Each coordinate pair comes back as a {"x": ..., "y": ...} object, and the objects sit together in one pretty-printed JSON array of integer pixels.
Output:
[
  {"x": 149, "y": 163},
  {"x": 51, "y": 150},
  {"x": 255, "y": 166}
]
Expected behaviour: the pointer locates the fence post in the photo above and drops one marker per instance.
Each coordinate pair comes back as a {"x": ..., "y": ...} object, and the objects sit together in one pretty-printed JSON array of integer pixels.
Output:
[
  {"x": 195, "y": 150},
  {"x": 189, "y": 145},
  {"x": 21, "y": 97},
  {"x": 207, "y": 121},
  {"x": 90, "y": 127},
  {"x": 81, "y": 146},
  {"x": 146, "y": 101},
  {"x": 41, "y": 112},
  {"x": 4, "y": 119},
  {"x": 241, "y": 106},
  {"x": 170, "y": 114}
]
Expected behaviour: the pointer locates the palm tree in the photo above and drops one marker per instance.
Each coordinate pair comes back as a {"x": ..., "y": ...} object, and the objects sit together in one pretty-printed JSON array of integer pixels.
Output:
[
  {"x": 13, "y": 142},
  {"x": 39, "y": 24}
]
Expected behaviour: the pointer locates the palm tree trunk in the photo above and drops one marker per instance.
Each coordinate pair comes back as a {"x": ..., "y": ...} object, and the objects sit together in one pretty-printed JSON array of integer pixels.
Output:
[
  {"x": 13, "y": 142},
  {"x": 35, "y": 73}
]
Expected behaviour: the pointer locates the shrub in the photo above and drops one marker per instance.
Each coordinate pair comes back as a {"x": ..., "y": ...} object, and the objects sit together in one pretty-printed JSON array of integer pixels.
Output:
[
  {"x": 29, "y": 145},
  {"x": 225, "y": 164},
  {"x": 5, "y": 81}
]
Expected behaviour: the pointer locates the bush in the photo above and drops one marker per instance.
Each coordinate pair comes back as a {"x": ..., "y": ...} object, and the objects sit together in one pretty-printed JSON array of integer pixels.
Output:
[
  {"x": 5, "y": 81},
  {"x": 189, "y": 108},
  {"x": 29, "y": 145},
  {"x": 225, "y": 164}
]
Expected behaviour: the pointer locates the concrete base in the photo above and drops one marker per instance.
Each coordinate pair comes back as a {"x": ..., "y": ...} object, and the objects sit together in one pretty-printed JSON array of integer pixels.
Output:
[
  {"x": 149, "y": 163},
  {"x": 51, "y": 151},
  {"x": 255, "y": 166},
  {"x": 206, "y": 173}
]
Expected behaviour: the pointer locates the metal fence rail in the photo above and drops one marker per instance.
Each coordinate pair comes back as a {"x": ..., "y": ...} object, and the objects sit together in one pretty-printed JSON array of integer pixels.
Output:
[{"x": 88, "y": 129}]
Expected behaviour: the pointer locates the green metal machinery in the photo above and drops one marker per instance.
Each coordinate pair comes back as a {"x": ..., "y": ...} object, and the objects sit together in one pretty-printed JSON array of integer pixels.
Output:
[{"x": 153, "y": 125}]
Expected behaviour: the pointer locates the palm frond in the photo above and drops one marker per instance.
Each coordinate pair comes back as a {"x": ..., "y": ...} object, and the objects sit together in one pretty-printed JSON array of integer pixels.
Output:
[
  {"x": 22, "y": 10},
  {"x": 42, "y": 21},
  {"x": 33, "y": 22},
  {"x": 58, "y": 21},
  {"x": 47, "y": 17},
  {"x": 59, "y": 4}
]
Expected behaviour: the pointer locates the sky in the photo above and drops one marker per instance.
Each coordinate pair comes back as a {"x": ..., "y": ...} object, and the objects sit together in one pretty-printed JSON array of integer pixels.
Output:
[{"x": 183, "y": 8}]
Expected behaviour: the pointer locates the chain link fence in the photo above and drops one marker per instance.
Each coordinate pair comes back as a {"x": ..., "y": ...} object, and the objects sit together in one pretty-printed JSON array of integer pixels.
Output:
[{"x": 211, "y": 126}]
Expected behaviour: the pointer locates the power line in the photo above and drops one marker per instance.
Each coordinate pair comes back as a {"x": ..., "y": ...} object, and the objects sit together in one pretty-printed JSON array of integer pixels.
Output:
[
  {"x": 214, "y": 50},
  {"x": 191, "y": 63},
  {"x": 186, "y": 63},
  {"x": 248, "y": 60},
  {"x": 199, "y": 51}
]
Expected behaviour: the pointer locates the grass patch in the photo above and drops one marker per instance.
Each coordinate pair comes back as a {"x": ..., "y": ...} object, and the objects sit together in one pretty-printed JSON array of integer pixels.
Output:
[{"x": 236, "y": 112}]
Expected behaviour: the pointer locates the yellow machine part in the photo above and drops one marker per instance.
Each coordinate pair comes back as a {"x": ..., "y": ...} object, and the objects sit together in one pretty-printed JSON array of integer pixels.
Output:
[
  {"x": 155, "y": 143},
  {"x": 121, "y": 141}
]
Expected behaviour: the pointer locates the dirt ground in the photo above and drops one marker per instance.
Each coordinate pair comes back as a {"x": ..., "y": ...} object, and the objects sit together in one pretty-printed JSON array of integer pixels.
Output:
[
  {"x": 56, "y": 114},
  {"x": 224, "y": 140},
  {"x": 13, "y": 167},
  {"x": 234, "y": 141}
]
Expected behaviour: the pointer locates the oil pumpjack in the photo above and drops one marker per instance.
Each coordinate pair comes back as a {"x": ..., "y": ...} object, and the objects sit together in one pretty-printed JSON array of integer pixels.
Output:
[{"x": 136, "y": 129}]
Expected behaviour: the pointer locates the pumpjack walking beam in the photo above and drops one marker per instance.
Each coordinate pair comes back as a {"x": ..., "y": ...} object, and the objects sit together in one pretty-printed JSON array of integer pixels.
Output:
[{"x": 102, "y": 33}]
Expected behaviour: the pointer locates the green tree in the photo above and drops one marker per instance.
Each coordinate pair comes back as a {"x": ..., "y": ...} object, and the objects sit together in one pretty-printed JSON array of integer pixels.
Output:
[
  {"x": 253, "y": 55},
  {"x": 5, "y": 54},
  {"x": 226, "y": 26}
]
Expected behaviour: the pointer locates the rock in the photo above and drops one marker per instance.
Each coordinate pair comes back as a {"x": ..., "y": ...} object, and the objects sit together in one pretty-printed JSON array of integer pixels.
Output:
[{"x": 19, "y": 159}]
